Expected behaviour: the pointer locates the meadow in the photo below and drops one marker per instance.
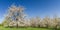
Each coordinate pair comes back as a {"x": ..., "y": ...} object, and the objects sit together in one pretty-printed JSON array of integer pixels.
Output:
[{"x": 29, "y": 28}]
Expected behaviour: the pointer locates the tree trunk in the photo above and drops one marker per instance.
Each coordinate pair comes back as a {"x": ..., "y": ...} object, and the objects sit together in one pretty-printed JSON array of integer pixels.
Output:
[
  {"x": 17, "y": 23},
  {"x": 55, "y": 27}
]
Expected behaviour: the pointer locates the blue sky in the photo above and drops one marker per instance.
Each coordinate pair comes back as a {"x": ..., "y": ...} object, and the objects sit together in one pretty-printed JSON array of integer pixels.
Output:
[{"x": 34, "y": 8}]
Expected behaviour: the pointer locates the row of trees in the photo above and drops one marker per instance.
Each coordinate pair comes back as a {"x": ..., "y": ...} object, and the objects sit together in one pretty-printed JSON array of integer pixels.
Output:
[
  {"x": 36, "y": 22},
  {"x": 16, "y": 17},
  {"x": 45, "y": 22}
]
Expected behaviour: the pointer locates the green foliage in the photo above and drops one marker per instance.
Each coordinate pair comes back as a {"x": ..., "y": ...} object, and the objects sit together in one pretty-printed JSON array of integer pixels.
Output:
[
  {"x": 29, "y": 28},
  {"x": 0, "y": 24}
]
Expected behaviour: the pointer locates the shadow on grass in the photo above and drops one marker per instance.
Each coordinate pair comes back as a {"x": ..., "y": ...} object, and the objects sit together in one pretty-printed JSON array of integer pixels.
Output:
[{"x": 34, "y": 28}]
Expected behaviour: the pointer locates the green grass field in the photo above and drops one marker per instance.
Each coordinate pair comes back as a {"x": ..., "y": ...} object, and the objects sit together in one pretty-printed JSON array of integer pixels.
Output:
[{"x": 3, "y": 28}]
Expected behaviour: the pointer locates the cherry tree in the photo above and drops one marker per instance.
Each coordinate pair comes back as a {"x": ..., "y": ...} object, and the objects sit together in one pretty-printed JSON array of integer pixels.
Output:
[{"x": 16, "y": 14}]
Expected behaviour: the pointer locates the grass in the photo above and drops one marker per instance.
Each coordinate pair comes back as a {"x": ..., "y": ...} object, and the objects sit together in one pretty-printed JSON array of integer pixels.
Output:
[{"x": 30, "y": 28}]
